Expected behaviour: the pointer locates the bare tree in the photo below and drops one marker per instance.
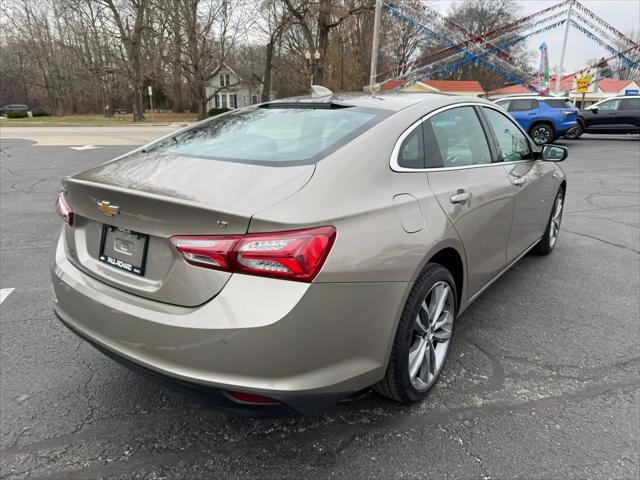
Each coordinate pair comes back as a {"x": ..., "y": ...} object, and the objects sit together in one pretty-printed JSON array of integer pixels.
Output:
[
  {"x": 276, "y": 21},
  {"x": 131, "y": 38},
  {"x": 322, "y": 17}
]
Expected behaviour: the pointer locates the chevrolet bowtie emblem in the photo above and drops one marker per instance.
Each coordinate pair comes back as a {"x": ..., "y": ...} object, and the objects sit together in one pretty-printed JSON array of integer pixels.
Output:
[{"x": 108, "y": 209}]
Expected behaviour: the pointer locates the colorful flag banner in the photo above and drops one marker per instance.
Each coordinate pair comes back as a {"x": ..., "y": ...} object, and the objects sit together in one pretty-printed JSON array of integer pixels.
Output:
[{"x": 544, "y": 69}]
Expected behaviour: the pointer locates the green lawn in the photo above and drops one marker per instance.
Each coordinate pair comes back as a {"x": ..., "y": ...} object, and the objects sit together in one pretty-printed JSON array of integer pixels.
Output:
[{"x": 90, "y": 120}]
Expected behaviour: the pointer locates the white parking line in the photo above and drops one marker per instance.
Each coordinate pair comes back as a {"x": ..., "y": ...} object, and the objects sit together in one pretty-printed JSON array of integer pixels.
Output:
[{"x": 4, "y": 293}]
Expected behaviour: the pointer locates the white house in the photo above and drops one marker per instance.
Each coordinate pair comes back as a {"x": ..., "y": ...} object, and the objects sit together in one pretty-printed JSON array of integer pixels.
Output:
[{"x": 229, "y": 90}]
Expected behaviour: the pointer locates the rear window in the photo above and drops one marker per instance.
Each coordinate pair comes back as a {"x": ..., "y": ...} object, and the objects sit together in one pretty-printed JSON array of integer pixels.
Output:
[
  {"x": 558, "y": 103},
  {"x": 274, "y": 135},
  {"x": 631, "y": 103}
]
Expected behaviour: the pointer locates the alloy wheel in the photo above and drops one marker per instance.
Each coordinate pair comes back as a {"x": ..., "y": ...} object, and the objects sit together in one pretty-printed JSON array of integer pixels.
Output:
[
  {"x": 556, "y": 219},
  {"x": 541, "y": 135},
  {"x": 431, "y": 336}
]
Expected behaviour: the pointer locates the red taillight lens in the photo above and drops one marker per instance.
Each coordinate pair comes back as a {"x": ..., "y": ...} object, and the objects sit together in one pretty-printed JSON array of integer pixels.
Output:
[
  {"x": 209, "y": 252},
  {"x": 251, "y": 398},
  {"x": 296, "y": 255},
  {"x": 63, "y": 208}
]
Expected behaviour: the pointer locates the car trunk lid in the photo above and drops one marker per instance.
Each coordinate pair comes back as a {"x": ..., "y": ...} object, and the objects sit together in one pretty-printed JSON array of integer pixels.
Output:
[{"x": 140, "y": 201}]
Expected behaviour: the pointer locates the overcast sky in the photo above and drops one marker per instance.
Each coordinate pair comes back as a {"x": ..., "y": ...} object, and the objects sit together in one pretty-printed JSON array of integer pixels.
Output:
[{"x": 622, "y": 14}]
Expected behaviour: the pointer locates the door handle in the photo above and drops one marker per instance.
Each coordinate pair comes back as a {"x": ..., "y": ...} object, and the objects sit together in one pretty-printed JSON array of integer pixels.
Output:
[
  {"x": 460, "y": 197},
  {"x": 518, "y": 182}
]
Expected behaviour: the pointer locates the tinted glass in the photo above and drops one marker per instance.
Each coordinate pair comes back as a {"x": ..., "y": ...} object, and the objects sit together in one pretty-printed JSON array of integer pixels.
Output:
[
  {"x": 558, "y": 103},
  {"x": 523, "y": 105},
  {"x": 272, "y": 135},
  {"x": 631, "y": 104},
  {"x": 455, "y": 138},
  {"x": 512, "y": 143},
  {"x": 609, "y": 105},
  {"x": 411, "y": 154}
]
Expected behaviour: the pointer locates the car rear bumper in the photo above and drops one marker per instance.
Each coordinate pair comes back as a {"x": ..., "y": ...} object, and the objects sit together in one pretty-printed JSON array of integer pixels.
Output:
[
  {"x": 304, "y": 345},
  {"x": 562, "y": 127}
]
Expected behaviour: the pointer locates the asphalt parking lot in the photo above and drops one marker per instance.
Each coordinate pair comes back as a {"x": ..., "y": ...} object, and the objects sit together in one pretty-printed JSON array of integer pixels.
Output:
[{"x": 542, "y": 381}]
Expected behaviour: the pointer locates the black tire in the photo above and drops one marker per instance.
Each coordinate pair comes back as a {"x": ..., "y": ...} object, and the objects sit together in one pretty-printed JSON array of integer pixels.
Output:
[
  {"x": 396, "y": 383},
  {"x": 542, "y": 133},
  {"x": 547, "y": 243},
  {"x": 574, "y": 133}
]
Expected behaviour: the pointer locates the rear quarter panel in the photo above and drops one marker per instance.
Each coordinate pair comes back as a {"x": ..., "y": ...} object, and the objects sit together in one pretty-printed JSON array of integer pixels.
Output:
[{"x": 354, "y": 190}]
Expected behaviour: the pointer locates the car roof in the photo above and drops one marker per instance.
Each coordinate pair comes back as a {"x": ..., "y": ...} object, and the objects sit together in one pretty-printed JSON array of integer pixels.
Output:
[
  {"x": 385, "y": 101},
  {"x": 619, "y": 96},
  {"x": 530, "y": 97}
]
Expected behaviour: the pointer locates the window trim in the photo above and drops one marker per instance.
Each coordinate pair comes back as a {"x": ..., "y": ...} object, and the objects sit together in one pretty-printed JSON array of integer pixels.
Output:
[{"x": 393, "y": 161}]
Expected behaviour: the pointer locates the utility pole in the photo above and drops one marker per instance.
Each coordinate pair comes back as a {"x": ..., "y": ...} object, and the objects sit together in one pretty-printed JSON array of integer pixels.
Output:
[
  {"x": 564, "y": 46},
  {"x": 375, "y": 45}
]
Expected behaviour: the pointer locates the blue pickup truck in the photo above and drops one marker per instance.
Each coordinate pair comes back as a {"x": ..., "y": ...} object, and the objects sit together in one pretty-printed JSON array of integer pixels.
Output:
[{"x": 544, "y": 118}]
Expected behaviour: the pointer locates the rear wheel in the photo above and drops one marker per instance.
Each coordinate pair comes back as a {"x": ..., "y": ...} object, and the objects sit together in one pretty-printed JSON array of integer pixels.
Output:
[
  {"x": 542, "y": 133},
  {"x": 423, "y": 337},
  {"x": 550, "y": 238},
  {"x": 574, "y": 132}
]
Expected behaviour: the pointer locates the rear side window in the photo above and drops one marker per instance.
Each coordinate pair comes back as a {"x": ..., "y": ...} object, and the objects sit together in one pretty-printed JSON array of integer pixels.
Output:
[
  {"x": 504, "y": 104},
  {"x": 272, "y": 136},
  {"x": 523, "y": 105},
  {"x": 411, "y": 153},
  {"x": 631, "y": 103},
  {"x": 558, "y": 103},
  {"x": 512, "y": 143},
  {"x": 455, "y": 138},
  {"x": 610, "y": 105}
]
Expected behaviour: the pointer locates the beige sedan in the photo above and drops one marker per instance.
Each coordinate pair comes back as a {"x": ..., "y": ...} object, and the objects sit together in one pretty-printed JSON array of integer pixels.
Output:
[{"x": 275, "y": 259}]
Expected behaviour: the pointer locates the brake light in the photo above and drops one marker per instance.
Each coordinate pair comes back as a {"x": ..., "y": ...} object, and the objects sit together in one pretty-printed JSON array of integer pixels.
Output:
[
  {"x": 63, "y": 208},
  {"x": 294, "y": 255}
]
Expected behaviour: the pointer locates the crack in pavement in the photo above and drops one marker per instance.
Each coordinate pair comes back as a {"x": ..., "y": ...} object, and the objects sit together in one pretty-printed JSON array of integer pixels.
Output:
[
  {"x": 404, "y": 422},
  {"x": 602, "y": 240}
]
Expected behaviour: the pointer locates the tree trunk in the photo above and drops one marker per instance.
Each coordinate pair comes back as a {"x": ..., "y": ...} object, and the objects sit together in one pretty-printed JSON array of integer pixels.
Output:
[
  {"x": 323, "y": 40},
  {"x": 138, "y": 79},
  {"x": 202, "y": 98},
  {"x": 178, "y": 100},
  {"x": 268, "y": 67}
]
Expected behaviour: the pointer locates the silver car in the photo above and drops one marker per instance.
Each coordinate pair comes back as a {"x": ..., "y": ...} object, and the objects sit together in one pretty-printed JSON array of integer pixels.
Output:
[{"x": 275, "y": 259}]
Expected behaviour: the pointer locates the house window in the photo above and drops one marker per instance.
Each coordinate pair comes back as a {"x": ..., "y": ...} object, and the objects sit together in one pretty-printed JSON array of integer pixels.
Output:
[
  {"x": 254, "y": 99},
  {"x": 225, "y": 80},
  {"x": 223, "y": 100}
]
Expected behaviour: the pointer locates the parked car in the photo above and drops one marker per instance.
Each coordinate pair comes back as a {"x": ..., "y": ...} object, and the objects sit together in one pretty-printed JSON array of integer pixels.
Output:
[
  {"x": 13, "y": 108},
  {"x": 277, "y": 258},
  {"x": 544, "y": 118},
  {"x": 614, "y": 115}
]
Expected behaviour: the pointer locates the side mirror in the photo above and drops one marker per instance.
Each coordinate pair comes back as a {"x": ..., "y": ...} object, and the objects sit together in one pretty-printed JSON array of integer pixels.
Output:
[
  {"x": 594, "y": 109},
  {"x": 554, "y": 153}
]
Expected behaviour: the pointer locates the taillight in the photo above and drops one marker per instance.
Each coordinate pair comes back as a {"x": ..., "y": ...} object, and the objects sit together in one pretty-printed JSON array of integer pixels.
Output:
[
  {"x": 210, "y": 252},
  {"x": 63, "y": 208},
  {"x": 295, "y": 255}
]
